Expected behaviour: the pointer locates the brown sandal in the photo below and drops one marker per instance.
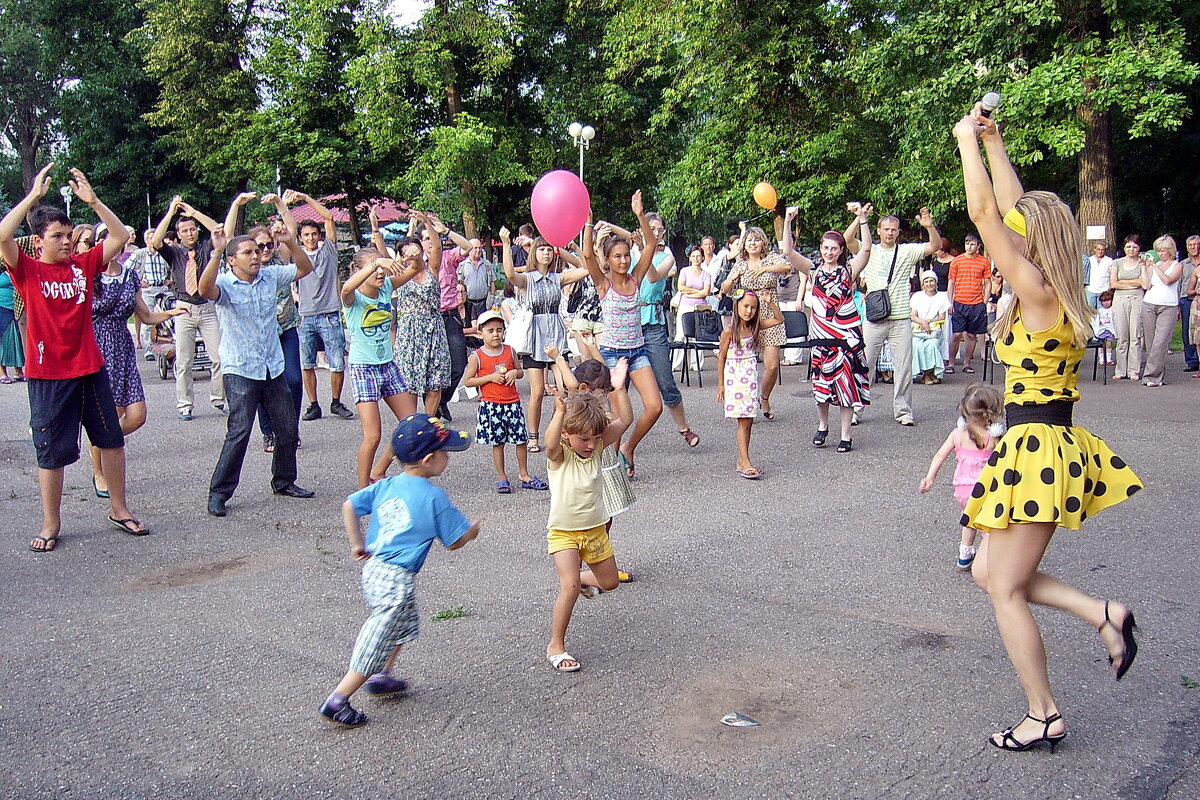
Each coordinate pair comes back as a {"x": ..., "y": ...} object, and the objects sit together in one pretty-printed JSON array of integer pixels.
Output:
[{"x": 691, "y": 437}]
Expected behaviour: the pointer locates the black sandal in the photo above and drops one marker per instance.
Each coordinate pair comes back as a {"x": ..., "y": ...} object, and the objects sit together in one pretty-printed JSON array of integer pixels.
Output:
[
  {"x": 1131, "y": 645},
  {"x": 819, "y": 438},
  {"x": 845, "y": 446},
  {"x": 1012, "y": 743}
]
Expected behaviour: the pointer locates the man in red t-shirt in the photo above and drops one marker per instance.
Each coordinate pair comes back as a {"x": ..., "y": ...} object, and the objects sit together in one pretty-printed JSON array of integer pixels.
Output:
[
  {"x": 969, "y": 286},
  {"x": 68, "y": 385}
]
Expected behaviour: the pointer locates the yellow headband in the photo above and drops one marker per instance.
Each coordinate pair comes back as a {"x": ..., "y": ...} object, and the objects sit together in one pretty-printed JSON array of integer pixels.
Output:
[{"x": 1015, "y": 221}]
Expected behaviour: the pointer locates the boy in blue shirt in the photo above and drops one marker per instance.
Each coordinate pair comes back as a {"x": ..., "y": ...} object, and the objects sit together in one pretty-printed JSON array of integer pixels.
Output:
[{"x": 407, "y": 514}]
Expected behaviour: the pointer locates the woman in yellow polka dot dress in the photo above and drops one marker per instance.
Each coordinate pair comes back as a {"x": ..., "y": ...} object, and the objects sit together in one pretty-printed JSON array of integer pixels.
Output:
[{"x": 1046, "y": 471}]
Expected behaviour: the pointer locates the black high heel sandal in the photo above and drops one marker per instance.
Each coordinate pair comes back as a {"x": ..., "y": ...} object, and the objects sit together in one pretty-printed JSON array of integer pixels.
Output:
[
  {"x": 819, "y": 438},
  {"x": 1013, "y": 744},
  {"x": 1131, "y": 646},
  {"x": 845, "y": 446}
]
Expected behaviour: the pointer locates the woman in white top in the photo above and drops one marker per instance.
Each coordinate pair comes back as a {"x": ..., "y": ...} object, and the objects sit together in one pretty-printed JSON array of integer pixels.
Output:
[
  {"x": 929, "y": 309},
  {"x": 1160, "y": 308}
]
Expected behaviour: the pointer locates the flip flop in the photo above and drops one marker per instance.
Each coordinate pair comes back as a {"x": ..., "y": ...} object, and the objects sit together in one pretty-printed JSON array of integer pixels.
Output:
[
  {"x": 969, "y": 370},
  {"x": 535, "y": 482},
  {"x": 503, "y": 487},
  {"x": 50, "y": 543},
  {"x": 751, "y": 474},
  {"x": 129, "y": 526},
  {"x": 948, "y": 370},
  {"x": 557, "y": 660},
  {"x": 6, "y": 380}
]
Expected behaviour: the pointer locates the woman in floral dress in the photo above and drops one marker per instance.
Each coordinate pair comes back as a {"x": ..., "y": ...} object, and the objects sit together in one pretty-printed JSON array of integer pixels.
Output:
[
  {"x": 422, "y": 352},
  {"x": 839, "y": 362},
  {"x": 118, "y": 296}
]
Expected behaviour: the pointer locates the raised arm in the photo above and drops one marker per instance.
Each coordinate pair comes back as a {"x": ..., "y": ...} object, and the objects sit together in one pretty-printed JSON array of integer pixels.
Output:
[
  {"x": 316, "y": 205},
  {"x": 1005, "y": 183},
  {"x": 517, "y": 279},
  {"x": 9, "y": 250},
  {"x": 859, "y": 262},
  {"x": 435, "y": 242},
  {"x": 377, "y": 240},
  {"x": 156, "y": 238},
  {"x": 647, "y": 257},
  {"x": 231, "y": 216},
  {"x": 787, "y": 249},
  {"x": 925, "y": 218},
  {"x": 303, "y": 263},
  {"x": 462, "y": 242},
  {"x": 855, "y": 229},
  {"x": 118, "y": 234},
  {"x": 208, "y": 222},
  {"x": 208, "y": 278},
  {"x": 285, "y": 216},
  {"x": 592, "y": 255},
  {"x": 620, "y": 403}
]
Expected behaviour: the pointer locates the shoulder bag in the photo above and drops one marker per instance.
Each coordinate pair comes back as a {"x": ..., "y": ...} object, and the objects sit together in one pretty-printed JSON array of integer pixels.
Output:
[{"x": 879, "y": 302}]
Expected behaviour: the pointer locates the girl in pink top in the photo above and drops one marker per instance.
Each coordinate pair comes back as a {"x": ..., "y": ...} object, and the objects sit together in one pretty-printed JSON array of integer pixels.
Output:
[{"x": 972, "y": 440}]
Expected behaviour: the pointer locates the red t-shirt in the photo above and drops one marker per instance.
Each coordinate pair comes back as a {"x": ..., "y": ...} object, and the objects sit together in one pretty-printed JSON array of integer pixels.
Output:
[
  {"x": 505, "y": 362},
  {"x": 968, "y": 273},
  {"x": 60, "y": 342}
]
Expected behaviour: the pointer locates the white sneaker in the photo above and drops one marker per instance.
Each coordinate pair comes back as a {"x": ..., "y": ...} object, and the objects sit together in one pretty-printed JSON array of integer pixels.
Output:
[{"x": 966, "y": 554}]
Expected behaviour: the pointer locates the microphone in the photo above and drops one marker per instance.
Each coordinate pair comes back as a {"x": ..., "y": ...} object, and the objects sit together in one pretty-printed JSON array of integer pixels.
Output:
[{"x": 990, "y": 102}]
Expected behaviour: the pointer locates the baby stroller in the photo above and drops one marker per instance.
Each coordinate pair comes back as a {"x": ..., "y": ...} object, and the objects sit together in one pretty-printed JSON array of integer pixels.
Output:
[{"x": 162, "y": 343}]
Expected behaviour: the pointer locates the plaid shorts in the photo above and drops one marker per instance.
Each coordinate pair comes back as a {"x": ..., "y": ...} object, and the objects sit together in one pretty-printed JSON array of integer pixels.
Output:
[
  {"x": 390, "y": 591},
  {"x": 373, "y": 382},
  {"x": 501, "y": 423}
]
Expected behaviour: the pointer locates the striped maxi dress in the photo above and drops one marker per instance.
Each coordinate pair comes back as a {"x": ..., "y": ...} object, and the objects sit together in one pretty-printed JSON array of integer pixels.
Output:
[{"x": 839, "y": 366}]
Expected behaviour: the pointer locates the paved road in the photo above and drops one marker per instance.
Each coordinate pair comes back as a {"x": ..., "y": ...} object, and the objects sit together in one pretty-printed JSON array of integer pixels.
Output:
[{"x": 821, "y": 600}]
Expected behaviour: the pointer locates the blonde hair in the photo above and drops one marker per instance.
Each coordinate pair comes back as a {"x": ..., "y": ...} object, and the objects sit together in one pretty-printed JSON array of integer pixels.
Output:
[
  {"x": 1167, "y": 241},
  {"x": 584, "y": 416},
  {"x": 761, "y": 235},
  {"x": 980, "y": 403},
  {"x": 1053, "y": 244}
]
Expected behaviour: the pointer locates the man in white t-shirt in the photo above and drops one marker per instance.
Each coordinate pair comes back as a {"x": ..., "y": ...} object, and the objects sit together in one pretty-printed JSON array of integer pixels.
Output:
[
  {"x": 899, "y": 261},
  {"x": 1098, "y": 264}
]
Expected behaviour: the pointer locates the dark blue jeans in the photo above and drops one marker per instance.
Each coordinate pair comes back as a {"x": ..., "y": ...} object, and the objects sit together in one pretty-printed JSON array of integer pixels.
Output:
[
  {"x": 290, "y": 340},
  {"x": 245, "y": 397},
  {"x": 659, "y": 350},
  {"x": 1189, "y": 347}
]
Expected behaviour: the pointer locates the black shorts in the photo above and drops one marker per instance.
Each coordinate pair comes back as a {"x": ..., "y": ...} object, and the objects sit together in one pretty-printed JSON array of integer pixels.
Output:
[
  {"x": 969, "y": 318},
  {"x": 57, "y": 408},
  {"x": 529, "y": 362}
]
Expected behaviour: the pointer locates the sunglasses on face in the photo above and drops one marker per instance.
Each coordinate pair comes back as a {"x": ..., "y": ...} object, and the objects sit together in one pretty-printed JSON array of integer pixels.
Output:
[{"x": 266, "y": 247}]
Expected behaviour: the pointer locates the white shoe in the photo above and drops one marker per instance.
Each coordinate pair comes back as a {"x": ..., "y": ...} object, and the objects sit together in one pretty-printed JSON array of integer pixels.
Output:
[{"x": 966, "y": 554}]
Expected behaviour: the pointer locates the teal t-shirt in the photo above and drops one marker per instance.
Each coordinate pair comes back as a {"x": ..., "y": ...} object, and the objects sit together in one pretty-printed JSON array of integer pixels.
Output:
[
  {"x": 651, "y": 295},
  {"x": 6, "y": 290},
  {"x": 370, "y": 324}
]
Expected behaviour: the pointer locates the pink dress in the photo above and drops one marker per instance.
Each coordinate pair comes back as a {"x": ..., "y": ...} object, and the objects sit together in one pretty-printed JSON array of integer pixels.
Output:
[{"x": 971, "y": 461}]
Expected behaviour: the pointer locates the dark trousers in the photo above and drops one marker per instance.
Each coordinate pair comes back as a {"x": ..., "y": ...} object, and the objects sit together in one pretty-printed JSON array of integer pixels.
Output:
[
  {"x": 245, "y": 396},
  {"x": 458, "y": 351},
  {"x": 1189, "y": 347},
  {"x": 290, "y": 340}
]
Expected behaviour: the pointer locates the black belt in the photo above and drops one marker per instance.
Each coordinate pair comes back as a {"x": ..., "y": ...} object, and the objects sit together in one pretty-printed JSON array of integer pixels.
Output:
[{"x": 1056, "y": 412}]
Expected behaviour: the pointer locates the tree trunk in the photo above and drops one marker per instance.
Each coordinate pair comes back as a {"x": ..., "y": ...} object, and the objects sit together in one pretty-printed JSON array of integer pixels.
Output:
[
  {"x": 1096, "y": 203},
  {"x": 352, "y": 211}
]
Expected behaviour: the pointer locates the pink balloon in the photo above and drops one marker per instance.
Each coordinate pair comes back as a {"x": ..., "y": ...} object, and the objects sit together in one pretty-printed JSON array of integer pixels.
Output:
[{"x": 560, "y": 206}]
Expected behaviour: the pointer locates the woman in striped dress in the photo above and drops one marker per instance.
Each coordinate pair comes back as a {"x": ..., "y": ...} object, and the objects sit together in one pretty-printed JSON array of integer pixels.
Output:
[{"x": 839, "y": 362}]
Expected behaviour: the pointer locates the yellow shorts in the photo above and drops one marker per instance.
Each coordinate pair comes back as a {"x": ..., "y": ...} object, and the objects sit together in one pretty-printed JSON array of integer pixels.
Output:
[
  {"x": 580, "y": 325},
  {"x": 593, "y": 544}
]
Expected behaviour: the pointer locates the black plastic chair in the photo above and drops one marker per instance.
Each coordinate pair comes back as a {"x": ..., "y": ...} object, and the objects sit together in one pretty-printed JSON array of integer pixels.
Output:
[
  {"x": 693, "y": 343},
  {"x": 795, "y": 325}
]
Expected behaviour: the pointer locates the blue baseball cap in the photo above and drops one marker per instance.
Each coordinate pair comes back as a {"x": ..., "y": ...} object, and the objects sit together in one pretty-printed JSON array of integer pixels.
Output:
[{"x": 418, "y": 435}]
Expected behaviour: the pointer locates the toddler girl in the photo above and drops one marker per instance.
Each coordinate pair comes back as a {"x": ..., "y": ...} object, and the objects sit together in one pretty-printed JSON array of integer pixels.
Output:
[
  {"x": 1104, "y": 326},
  {"x": 978, "y": 430}
]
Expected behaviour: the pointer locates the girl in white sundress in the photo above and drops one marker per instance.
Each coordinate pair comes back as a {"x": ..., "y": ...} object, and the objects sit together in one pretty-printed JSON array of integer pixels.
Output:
[{"x": 737, "y": 363}]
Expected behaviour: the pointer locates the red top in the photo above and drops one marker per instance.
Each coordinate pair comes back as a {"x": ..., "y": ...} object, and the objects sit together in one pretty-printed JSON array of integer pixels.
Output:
[
  {"x": 506, "y": 361},
  {"x": 968, "y": 273},
  {"x": 60, "y": 342}
]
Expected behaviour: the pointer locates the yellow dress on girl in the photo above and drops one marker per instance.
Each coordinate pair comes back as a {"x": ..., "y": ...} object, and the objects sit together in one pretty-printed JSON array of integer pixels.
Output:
[{"x": 1045, "y": 468}]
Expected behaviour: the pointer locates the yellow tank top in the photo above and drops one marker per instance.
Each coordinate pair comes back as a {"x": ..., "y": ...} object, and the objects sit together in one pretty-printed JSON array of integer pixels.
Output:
[
  {"x": 576, "y": 492},
  {"x": 1042, "y": 366}
]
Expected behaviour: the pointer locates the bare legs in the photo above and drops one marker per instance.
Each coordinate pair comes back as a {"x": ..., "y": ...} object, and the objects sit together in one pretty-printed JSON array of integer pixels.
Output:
[
  {"x": 537, "y": 391},
  {"x": 770, "y": 356},
  {"x": 1006, "y": 568},
  {"x": 647, "y": 386},
  {"x": 566, "y": 564},
  {"x": 847, "y": 419},
  {"x": 401, "y": 405},
  {"x": 522, "y": 461},
  {"x": 745, "y": 425},
  {"x": 131, "y": 417}
]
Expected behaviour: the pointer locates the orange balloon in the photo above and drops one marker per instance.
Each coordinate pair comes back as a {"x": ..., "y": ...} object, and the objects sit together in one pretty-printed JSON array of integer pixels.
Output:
[{"x": 765, "y": 195}]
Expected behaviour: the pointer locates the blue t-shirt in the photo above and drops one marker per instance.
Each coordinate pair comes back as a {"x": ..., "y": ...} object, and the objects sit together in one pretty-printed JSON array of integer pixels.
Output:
[
  {"x": 407, "y": 514},
  {"x": 370, "y": 323}
]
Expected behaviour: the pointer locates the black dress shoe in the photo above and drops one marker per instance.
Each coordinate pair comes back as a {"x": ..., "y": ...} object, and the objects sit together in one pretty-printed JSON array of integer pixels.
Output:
[
  {"x": 216, "y": 505},
  {"x": 291, "y": 490}
]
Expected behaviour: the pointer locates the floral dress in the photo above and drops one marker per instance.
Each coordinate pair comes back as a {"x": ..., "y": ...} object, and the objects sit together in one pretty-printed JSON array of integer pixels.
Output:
[
  {"x": 741, "y": 379},
  {"x": 422, "y": 352},
  {"x": 112, "y": 306},
  {"x": 839, "y": 368},
  {"x": 766, "y": 286}
]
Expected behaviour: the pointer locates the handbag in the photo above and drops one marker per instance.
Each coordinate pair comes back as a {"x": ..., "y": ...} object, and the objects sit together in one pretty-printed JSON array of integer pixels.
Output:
[
  {"x": 879, "y": 302},
  {"x": 519, "y": 335},
  {"x": 708, "y": 324}
]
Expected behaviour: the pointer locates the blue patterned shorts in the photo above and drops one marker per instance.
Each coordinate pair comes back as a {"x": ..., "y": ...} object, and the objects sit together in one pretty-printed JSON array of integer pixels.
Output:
[
  {"x": 373, "y": 382},
  {"x": 390, "y": 591},
  {"x": 501, "y": 423}
]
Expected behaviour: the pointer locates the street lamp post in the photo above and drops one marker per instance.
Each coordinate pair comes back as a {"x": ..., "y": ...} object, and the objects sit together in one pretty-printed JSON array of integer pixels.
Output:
[
  {"x": 67, "y": 194},
  {"x": 583, "y": 135}
]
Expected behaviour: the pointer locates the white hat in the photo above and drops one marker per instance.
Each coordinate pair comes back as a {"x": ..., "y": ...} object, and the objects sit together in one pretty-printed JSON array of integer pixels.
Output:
[
  {"x": 487, "y": 317},
  {"x": 927, "y": 274}
]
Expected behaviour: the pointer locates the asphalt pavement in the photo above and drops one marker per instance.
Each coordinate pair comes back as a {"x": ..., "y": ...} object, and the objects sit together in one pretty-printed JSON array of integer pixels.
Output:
[{"x": 822, "y": 601}]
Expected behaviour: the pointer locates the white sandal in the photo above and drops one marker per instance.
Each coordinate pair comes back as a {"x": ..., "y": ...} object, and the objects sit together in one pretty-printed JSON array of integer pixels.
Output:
[{"x": 557, "y": 659}]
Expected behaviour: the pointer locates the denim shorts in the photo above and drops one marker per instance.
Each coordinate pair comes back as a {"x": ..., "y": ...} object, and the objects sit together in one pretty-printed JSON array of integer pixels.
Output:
[
  {"x": 638, "y": 357},
  {"x": 328, "y": 327}
]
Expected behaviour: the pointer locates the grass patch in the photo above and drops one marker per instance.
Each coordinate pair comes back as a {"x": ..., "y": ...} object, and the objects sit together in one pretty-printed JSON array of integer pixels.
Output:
[{"x": 453, "y": 612}]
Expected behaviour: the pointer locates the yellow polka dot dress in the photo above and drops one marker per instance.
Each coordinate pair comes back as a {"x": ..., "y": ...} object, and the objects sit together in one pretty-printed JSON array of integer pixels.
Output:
[{"x": 1044, "y": 469}]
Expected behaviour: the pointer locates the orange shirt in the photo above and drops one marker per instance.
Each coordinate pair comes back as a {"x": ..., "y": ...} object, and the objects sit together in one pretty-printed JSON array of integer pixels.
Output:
[
  {"x": 505, "y": 362},
  {"x": 968, "y": 273}
]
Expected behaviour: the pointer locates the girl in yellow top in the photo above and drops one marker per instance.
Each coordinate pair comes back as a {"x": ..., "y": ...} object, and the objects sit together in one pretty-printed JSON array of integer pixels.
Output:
[
  {"x": 577, "y": 528},
  {"x": 1045, "y": 471}
]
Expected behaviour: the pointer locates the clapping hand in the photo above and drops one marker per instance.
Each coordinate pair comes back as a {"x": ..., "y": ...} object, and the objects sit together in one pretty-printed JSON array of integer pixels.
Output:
[
  {"x": 636, "y": 204},
  {"x": 41, "y": 184},
  {"x": 82, "y": 187}
]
